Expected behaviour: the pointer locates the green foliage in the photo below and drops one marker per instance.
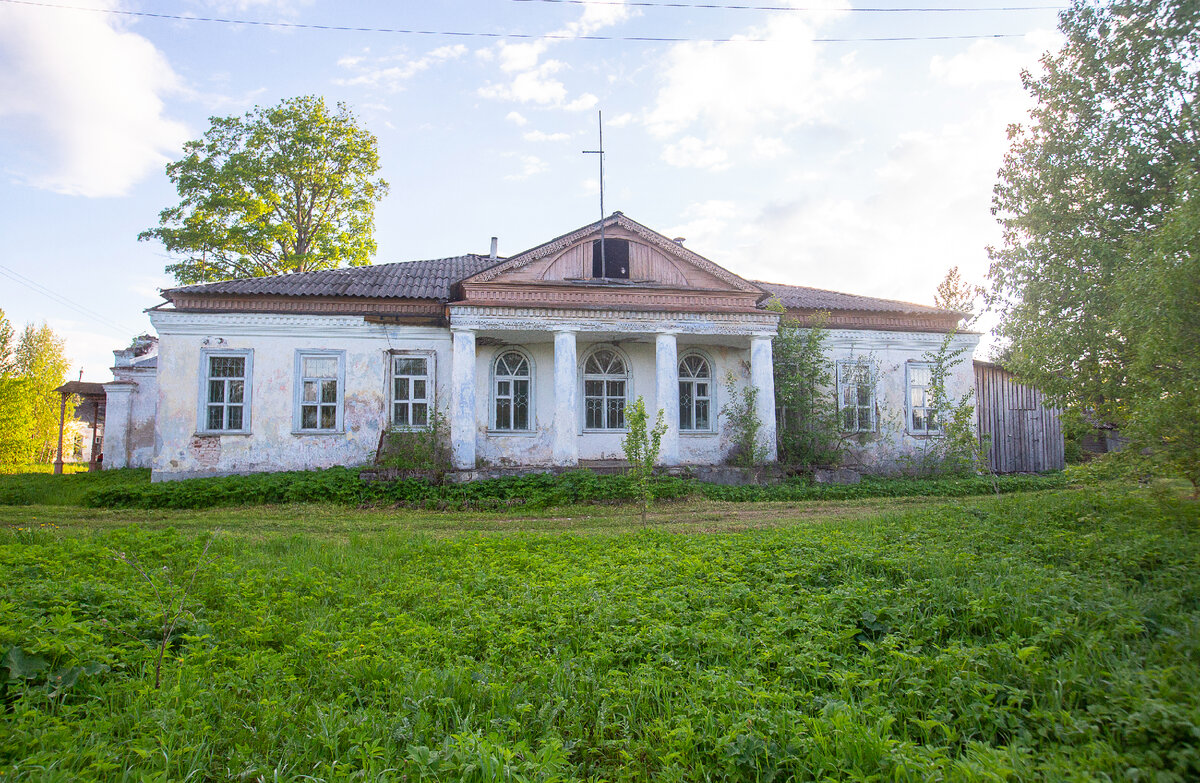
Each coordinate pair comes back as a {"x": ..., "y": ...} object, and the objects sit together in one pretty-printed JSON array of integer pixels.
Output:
[
  {"x": 8, "y": 347},
  {"x": 956, "y": 448},
  {"x": 17, "y": 402},
  {"x": 1097, "y": 200},
  {"x": 808, "y": 430},
  {"x": 641, "y": 445},
  {"x": 289, "y": 188},
  {"x": 1032, "y": 637},
  {"x": 342, "y": 486},
  {"x": 424, "y": 451},
  {"x": 741, "y": 417},
  {"x": 1160, "y": 311},
  {"x": 41, "y": 361},
  {"x": 954, "y": 293}
]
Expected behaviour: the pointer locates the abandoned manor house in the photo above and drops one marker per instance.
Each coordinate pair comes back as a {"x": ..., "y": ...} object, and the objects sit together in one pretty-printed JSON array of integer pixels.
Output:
[{"x": 530, "y": 361}]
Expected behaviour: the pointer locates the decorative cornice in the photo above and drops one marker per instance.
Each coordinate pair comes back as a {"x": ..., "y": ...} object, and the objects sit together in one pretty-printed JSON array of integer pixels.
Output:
[
  {"x": 308, "y": 304},
  {"x": 535, "y": 319},
  {"x": 174, "y": 322},
  {"x": 608, "y": 297},
  {"x": 664, "y": 244},
  {"x": 894, "y": 321},
  {"x": 873, "y": 340}
]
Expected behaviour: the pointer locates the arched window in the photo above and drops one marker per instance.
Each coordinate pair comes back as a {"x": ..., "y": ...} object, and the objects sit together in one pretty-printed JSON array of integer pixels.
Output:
[
  {"x": 695, "y": 394},
  {"x": 605, "y": 382},
  {"x": 511, "y": 392}
]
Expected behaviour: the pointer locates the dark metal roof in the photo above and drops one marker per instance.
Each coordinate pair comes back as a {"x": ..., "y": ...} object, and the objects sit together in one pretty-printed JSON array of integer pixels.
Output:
[
  {"x": 798, "y": 297},
  {"x": 82, "y": 388},
  {"x": 430, "y": 279}
]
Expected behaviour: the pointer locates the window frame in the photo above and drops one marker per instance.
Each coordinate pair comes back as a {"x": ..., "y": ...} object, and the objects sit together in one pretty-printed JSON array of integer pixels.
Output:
[
  {"x": 601, "y": 262},
  {"x": 908, "y": 401},
  {"x": 627, "y": 378},
  {"x": 841, "y": 372},
  {"x": 298, "y": 392},
  {"x": 202, "y": 427},
  {"x": 389, "y": 379},
  {"x": 713, "y": 409},
  {"x": 494, "y": 393}
]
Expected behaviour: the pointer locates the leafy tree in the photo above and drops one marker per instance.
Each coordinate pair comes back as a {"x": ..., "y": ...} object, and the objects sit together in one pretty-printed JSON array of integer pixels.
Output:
[
  {"x": 954, "y": 293},
  {"x": 16, "y": 422},
  {"x": 1160, "y": 311},
  {"x": 642, "y": 444},
  {"x": 41, "y": 362},
  {"x": 807, "y": 420},
  {"x": 1084, "y": 198},
  {"x": 8, "y": 346},
  {"x": 290, "y": 188}
]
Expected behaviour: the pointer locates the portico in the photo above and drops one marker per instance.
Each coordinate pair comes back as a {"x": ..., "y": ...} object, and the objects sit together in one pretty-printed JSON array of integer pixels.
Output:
[{"x": 599, "y": 360}]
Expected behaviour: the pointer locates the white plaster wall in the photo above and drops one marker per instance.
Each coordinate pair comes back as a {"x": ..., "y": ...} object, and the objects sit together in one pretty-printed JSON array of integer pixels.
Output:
[
  {"x": 274, "y": 340},
  {"x": 143, "y": 408},
  {"x": 892, "y": 448}
]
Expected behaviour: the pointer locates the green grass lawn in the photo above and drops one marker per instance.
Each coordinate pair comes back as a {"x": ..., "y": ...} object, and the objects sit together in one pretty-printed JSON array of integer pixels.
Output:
[{"x": 1050, "y": 635}]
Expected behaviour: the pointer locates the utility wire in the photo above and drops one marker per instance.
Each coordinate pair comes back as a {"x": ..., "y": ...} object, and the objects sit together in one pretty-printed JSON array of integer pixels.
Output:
[
  {"x": 724, "y": 7},
  {"x": 57, "y": 297},
  {"x": 476, "y": 34}
]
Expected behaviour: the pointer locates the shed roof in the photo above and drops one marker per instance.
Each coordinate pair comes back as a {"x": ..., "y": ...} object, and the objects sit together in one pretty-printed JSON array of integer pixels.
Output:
[
  {"x": 82, "y": 388},
  {"x": 431, "y": 279}
]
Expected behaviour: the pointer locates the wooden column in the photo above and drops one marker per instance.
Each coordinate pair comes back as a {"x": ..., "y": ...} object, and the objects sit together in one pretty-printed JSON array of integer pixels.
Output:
[{"x": 62, "y": 422}]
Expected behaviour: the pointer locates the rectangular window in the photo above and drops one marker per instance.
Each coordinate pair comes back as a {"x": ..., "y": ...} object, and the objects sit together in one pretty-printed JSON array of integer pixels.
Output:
[
  {"x": 856, "y": 395},
  {"x": 604, "y": 405},
  {"x": 613, "y": 262},
  {"x": 411, "y": 390},
  {"x": 320, "y": 383},
  {"x": 225, "y": 391},
  {"x": 922, "y": 414}
]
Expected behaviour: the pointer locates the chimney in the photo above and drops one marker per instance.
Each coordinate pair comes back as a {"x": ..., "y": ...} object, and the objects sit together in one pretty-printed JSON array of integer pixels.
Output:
[{"x": 495, "y": 244}]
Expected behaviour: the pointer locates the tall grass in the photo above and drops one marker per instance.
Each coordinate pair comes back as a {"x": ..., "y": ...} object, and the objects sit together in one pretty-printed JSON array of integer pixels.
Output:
[{"x": 1048, "y": 636}]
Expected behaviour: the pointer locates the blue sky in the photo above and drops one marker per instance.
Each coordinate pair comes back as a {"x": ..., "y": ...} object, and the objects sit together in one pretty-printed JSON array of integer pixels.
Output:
[{"x": 861, "y": 166}]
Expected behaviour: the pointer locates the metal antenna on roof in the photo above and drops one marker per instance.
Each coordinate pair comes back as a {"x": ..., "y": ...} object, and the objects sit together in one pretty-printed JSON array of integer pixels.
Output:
[{"x": 600, "y": 152}]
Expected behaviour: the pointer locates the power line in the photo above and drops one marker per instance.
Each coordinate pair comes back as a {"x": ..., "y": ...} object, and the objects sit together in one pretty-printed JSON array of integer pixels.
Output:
[
  {"x": 723, "y": 7},
  {"x": 477, "y": 34},
  {"x": 44, "y": 291}
]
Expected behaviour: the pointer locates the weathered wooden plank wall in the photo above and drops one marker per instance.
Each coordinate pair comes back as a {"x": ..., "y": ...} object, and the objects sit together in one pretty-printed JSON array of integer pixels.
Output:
[{"x": 1025, "y": 436}]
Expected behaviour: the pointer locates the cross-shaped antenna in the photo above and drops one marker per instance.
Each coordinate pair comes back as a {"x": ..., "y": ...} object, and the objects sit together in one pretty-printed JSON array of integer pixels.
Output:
[{"x": 600, "y": 152}]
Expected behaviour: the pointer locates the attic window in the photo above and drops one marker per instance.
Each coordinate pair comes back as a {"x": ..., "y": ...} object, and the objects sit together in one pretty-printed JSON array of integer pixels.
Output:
[{"x": 615, "y": 261}]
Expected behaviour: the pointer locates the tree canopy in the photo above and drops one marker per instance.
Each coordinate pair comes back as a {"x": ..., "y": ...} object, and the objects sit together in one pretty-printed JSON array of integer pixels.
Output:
[
  {"x": 290, "y": 188},
  {"x": 1093, "y": 198}
]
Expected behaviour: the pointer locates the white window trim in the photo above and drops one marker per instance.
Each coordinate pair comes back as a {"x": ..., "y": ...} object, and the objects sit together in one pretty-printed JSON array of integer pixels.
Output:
[
  {"x": 532, "y": 418},
  {"x": 247, "y": 389},
  {"x": 713, "y": 406},
  {"x": 389, "y": 375},
  {"x": 582, "y": 381},
  {"x": 908, "y": 406},
  {"x": 298, "y": 391},
  {"x": 841, "y": 368}
]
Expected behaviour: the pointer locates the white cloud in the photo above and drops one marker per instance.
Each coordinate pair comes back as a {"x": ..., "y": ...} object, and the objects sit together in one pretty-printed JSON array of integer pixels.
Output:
[
  {"x": 583, "y": 102},
  {"x": 748, "y": 96},
  {"x": 540, "y": 136},
  {"x": 516, "y": 117},
  {"x": 82, "y": 101},
  {"x": 530, "y": 165},
  {"x": 536, "y": 85},
  {"x": 986, "y": 63},
  {"x": 392, "y": 71},
  {"x": 530, "y": 80},
  {"x": 621, "y": 120},
  {"x": 691, "y": 152}
]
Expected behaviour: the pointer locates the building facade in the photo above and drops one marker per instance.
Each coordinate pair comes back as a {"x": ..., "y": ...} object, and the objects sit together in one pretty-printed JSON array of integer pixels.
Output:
[{"x": 528, "y": 361}]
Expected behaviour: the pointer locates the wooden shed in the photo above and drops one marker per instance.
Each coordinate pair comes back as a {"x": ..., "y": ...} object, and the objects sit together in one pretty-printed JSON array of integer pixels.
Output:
[{"x": 1025, "y": 435}]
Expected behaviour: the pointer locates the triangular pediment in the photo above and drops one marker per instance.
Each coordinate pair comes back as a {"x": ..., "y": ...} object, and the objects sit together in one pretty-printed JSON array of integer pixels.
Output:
[{"x": 570, "y": 268}]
